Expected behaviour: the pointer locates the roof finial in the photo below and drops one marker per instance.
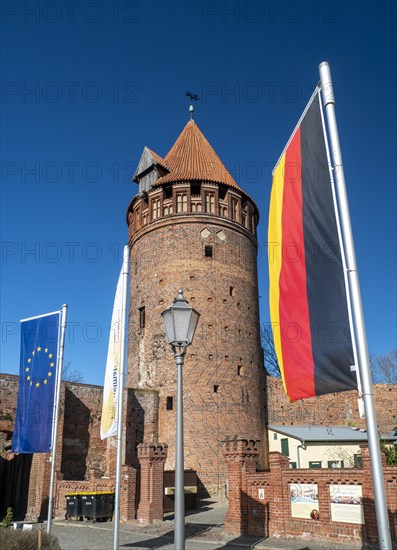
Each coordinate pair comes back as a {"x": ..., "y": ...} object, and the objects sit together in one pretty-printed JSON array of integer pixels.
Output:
[{"x": 193, "y": 97}]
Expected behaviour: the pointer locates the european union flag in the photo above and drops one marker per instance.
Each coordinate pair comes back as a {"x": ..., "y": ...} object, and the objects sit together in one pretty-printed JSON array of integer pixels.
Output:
[{"x": 36, "y": 390}]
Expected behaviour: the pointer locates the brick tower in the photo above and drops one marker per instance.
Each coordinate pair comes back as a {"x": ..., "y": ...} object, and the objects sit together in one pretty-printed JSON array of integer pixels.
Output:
[{"x": 192, "y": 227}]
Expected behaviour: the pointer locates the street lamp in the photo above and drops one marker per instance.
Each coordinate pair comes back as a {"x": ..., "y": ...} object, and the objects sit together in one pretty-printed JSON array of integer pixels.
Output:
[{"x": 180, "y": 322}]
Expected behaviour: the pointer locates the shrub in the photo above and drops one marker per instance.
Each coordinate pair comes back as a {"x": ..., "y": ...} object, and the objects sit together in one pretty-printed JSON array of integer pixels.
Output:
[
  {"x": 7, "y": 519},
  {"x": 11, "y": 539},
  {"x": 390, "y": 452}
]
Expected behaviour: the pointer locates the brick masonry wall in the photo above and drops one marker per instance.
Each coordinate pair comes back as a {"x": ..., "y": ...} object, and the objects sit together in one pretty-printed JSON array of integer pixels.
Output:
[
  {"x": 223, "y": 373},
  {"x": 271, "y": 515},
  {"x": 8, "y": 402},
  {"x": 82, "y": 447},
  {"x": 98, "y": 483},
  {"x": 79, "y": 445},
  {"x": 335, "y": 409},
  {"x": 141, "y": 424},
  {"x": 152, "y": 457},
  {"x": 141, "y": 421}
]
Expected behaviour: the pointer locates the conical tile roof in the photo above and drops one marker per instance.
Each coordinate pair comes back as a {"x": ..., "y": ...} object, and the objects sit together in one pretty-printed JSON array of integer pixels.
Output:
[{"x": 193, "y": 158}]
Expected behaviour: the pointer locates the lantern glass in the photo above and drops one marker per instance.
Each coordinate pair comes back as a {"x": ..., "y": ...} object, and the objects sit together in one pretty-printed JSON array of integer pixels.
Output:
[
  {"x": 180, "y": 322},
  {"x": 194, "y": 317}
]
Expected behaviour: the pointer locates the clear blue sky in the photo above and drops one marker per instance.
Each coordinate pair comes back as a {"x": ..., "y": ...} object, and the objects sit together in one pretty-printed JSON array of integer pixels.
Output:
[{"x": 86, "y": 87}]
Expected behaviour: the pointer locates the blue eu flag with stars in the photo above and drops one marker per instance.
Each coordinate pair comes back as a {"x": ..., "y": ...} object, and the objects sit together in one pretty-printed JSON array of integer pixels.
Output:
[{"x": 36, "y": 390}]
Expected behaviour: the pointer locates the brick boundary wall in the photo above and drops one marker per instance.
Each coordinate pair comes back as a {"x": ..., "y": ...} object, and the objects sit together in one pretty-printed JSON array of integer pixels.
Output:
[
  {"x": 271, "y": 516},
  {"x": 98, "y": 483}
]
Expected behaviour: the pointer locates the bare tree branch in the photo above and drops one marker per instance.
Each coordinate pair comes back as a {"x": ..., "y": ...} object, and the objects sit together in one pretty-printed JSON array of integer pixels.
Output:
[
  {"x": 71, "y": 375},
  {"x": 271, "y": 362},
  {"x": 384, "y": 368}
]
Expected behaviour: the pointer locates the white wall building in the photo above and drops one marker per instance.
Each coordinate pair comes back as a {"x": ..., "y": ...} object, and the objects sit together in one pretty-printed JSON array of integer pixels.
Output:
[{"x": 320, "y": 446}]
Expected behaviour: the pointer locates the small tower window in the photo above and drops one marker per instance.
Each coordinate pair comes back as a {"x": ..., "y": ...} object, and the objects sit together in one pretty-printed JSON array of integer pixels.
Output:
[
  {"x": 208, "y": 251},
  {"x": 240, "y": 370},
  {"x": 142, "y": 317},
  {"x": 181, "y": 202},
  {"x": 170, "y": 403},
  {"x": 210, "y": 203},
  {"x": 234, "y": 209},
  {"x": 216, "y": 388},
  {"x": 138, "y": 217},
  {"x": 155, "y": 209}
]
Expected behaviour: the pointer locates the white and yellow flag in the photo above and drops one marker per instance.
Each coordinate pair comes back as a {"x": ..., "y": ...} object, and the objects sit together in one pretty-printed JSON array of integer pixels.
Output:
[{"x": 111, "y": 387}]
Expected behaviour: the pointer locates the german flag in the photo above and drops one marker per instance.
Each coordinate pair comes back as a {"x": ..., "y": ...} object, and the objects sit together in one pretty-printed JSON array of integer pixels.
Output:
[{"x": 308, "y": 297}]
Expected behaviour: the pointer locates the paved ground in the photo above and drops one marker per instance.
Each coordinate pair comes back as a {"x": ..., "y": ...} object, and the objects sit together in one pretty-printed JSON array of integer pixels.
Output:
[{"x": 204, "y": 531}]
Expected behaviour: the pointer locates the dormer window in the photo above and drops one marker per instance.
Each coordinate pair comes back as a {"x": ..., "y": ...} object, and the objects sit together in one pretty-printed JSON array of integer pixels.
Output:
[{"x": 150, "y": 168}]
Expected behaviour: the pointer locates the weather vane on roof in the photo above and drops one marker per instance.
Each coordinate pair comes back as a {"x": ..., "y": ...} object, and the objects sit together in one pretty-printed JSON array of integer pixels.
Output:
[{"x": 193, "y": 97}]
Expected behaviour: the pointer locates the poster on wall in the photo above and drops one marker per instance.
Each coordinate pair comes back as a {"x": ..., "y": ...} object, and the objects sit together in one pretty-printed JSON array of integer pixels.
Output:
[
  {"x": 304, "y": 500},
  {"x": 346, "y": 503}
]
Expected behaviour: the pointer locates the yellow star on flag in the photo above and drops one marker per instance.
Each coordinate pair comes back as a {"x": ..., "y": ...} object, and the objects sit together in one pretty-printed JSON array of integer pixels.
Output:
[
  {"x": 37, "y": 384},
  {"x": 33, "y": 352},
  {"x": 45, "y": 381},
  {"x": 31, "y": 383},
  {"x": 50, "y": 373},
  {"x": 51, "y": 364},
  {"x": 28, "y": 378},
  {"x": 39, "y": 348},
  {"x": 29, "y": 360},
  {"x": 50, "y": 355},
  {"x": 46, "y": 350},
  {"x": 27, "y": 369}
]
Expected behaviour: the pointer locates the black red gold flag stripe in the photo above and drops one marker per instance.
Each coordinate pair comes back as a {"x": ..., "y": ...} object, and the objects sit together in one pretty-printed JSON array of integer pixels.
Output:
[{"x": 308, "y": 296}]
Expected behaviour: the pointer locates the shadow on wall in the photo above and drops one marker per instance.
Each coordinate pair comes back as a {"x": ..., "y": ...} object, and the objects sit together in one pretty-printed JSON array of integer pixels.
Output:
[
  {"x": 76, "y": 438},
  {"x": 134, "y": 429},
  {"x": 14, "y": 485},
  {"x": 202, "y": 492},
  {"x": 369, "y": 530}
]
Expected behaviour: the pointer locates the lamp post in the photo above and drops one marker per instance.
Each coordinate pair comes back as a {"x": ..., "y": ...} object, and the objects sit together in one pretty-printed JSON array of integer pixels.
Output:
[{"x": 180, "y": 322}]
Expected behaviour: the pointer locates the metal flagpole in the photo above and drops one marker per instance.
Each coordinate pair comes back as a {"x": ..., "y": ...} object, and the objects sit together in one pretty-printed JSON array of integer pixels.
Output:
[
  {"x": 123, "y": 341},
  {"x": 179, "y": 521},
  {"x": 57, "y": 399},
  {"x": 358, "y": 315}
]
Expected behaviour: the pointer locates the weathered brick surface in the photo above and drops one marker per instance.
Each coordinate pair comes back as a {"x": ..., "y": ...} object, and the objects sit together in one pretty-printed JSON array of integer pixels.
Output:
[
  {"x": 335, "y": 409},
  {"x": 82, "y": 447},
  {"x": 96, "y": 482},
  {"x": 39, "y": 487},
  {"x": 271, "y": 516},
  {"x": 241, "y": 456},
  {"x": 152, "y": 457},
  {"x": 225, "y": 354}
]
